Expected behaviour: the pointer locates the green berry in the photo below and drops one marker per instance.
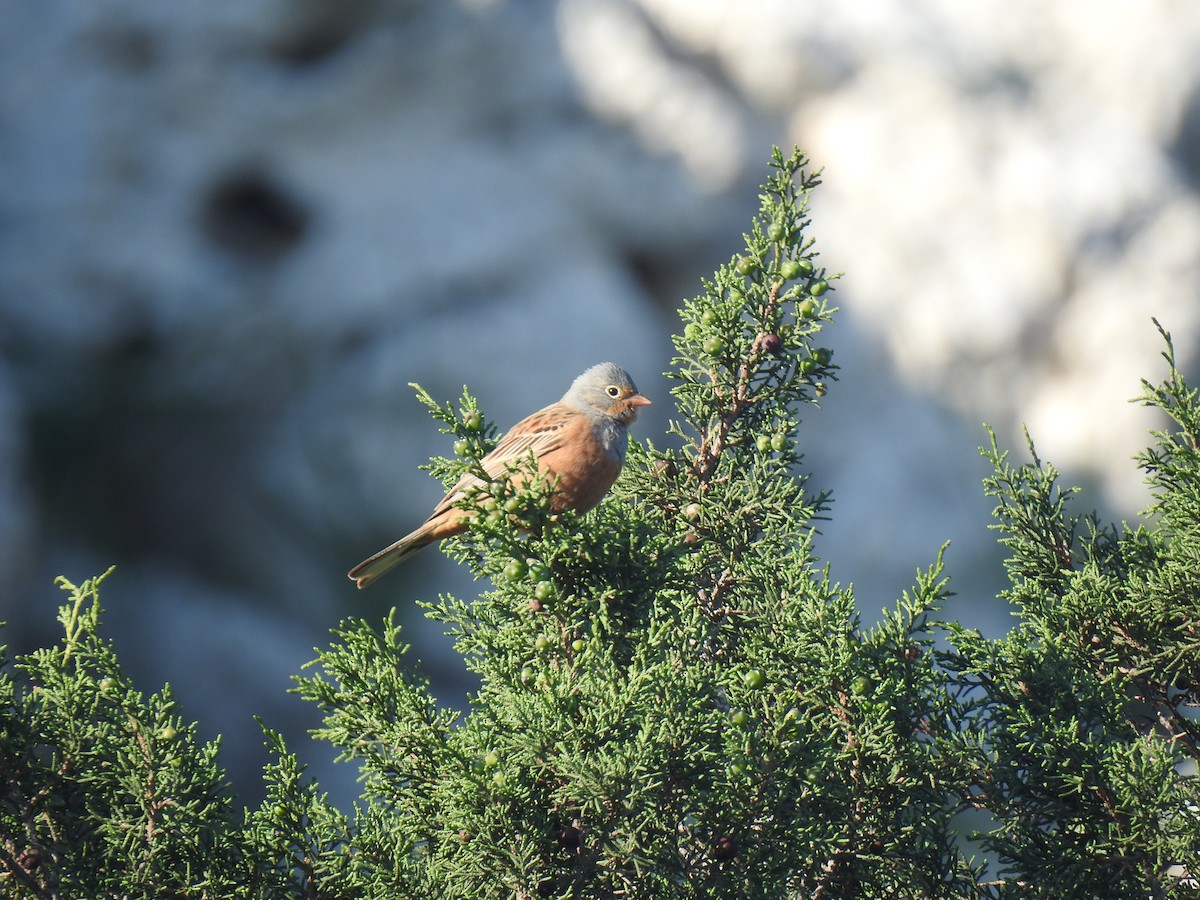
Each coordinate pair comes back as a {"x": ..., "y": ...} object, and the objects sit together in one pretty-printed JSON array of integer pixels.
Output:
[
  {"x": 806, "y": 266},
  {"x": 754, "y": 679},
  {"x": 763, "y": 443},
  {"x": 492, "y": 759},
  {"x": 713, "y": 345},
  {"x": 823, "y": 355},
  {"x": 543, "y": 590},
  {"x": 538, "y": 571},
  {"x": 167, "y": 733},
  {"x": 462, "y": 447},
  {"x": 526, "y": 675},
  {"x": 577, "y": 645},
  {"x": 779, "y": 442},
  {"x": 737, "y": 767},
  {"x": 541, "y": 644},
  {"x": 860, "y": 685},
  {"x": 691, "y": 331},
  {"x": 789, "y": 270},
  {"x": 515, "y": 570},
  {"x": 817, "y": 288},
  {"x": 738, "y": 718},
  {"x": 746, "y": 265},
  {"x": 708, "y": 317},
  {"x": 472, "y": 421},
  {"x": 806, "y": 308},
  {"x": 776, "y": 231},
  {"x": 807, "y": 366}
]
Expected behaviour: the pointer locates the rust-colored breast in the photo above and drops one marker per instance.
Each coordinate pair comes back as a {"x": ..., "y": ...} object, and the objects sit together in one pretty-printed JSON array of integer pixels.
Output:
[{"x": 585, "y": 467}]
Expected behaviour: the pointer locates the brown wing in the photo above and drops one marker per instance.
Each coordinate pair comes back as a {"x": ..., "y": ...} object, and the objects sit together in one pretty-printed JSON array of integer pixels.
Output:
[{"x": 539, "y": 433}]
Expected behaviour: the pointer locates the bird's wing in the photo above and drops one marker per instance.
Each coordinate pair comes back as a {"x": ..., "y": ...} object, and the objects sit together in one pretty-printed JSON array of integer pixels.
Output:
[{"x": 540, "y": 433}]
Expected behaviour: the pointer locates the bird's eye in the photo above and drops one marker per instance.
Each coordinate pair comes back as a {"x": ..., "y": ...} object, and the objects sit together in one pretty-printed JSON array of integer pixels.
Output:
[{"x": 613, "y": 391}]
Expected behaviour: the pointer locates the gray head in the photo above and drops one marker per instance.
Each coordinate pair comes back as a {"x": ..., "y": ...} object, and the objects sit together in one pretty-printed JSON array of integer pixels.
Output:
[{"x": 606, "y": 390}]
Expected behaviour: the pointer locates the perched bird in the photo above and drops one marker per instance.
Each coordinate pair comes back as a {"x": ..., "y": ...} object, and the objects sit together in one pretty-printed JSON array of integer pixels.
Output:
[{"x": 579, "y": 444}]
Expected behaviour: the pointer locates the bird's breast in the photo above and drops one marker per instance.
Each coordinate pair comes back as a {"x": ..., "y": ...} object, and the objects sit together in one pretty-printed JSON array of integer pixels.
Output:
[
  {"x": 613, "y": 438},
  {"x": 585, "y": 469}
]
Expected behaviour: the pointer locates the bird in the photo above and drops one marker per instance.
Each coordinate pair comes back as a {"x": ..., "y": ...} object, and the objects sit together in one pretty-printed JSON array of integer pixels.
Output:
[{"x": 579, "y": 444}]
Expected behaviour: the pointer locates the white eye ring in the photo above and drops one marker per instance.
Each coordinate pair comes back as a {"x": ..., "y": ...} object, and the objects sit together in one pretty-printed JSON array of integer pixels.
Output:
[{"x": 613, "y": 391}]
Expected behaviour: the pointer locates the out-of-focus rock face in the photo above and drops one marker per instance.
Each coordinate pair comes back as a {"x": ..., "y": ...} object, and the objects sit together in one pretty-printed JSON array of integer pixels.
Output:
[{"x": 232, "y": 232}]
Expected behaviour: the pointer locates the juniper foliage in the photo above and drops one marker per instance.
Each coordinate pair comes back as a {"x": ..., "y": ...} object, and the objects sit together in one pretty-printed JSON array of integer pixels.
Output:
[
  {"x": 104, "y": 792},
  {"x": 676, "y": 699},
  {"x": 1087, "y": 711}
]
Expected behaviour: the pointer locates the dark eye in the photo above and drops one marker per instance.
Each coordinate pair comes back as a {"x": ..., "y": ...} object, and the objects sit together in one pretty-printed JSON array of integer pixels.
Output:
[{"x": 613, "y": 391}]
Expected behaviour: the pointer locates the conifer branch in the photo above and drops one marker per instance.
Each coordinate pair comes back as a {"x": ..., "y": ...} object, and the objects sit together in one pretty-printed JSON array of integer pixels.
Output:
[{"x": 674, "y": 698}]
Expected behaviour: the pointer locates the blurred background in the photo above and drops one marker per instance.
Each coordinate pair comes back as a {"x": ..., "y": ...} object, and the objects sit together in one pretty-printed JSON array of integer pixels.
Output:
[{"x": 231, "y": 232}]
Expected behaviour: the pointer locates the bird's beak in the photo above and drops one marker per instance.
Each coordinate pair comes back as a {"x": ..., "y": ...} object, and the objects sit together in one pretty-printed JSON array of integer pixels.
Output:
[{"x": 638, "y": 400}]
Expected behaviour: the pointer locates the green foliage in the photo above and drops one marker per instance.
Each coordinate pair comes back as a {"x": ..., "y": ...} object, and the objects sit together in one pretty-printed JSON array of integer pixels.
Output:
[
  {"x": 104, "y": 791},
  {"x": 296, "y": 844},
  {"x": 675, "y": 699},
  {"x": 1086, "y": 711}
]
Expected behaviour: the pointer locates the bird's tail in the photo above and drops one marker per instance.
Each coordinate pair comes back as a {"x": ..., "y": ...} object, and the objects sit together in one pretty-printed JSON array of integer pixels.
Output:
[{"x": 372, "y": 568}]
